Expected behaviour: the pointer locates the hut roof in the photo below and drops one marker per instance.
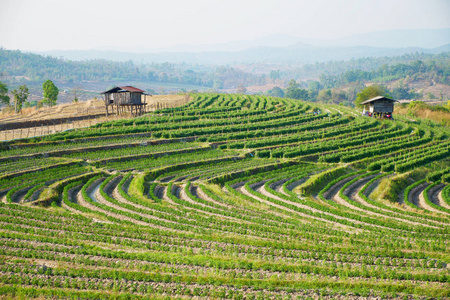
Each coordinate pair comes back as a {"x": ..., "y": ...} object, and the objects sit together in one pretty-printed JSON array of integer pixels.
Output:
[
  {"x": 378, "y": 98},
  {"x": 120, "y": 89}
]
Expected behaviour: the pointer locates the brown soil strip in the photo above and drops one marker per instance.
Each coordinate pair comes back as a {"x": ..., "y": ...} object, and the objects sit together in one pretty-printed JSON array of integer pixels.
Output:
[
  {"x": 167, "y": 179},
  {"x": 354, "y": 195},
  {"x": 352, "y": 192},
  {"x": 195, "y": 178},
  {"x": 3, "y": 194},
  {"x": 82, "y": 202},
  {"x": 112, "y": 190},
  {"x": 202, "y": 195},
  {"x": 278, "y": 185},
  {"x": 72, "y": 197},
  {"x": 35, "y": 195},
  {"x": 244, "y": 191},
  {"x": 134, "y": 263},
  {"x": 334, "y": 193},
  {"x": 331, "y": 193},
  {"x": 19, "y": 196},
  {"x": 181, "y": 178},
  {"x": 413, "y": 196},
  {"x": 425, "y": 205},
  {"x": 296, "y": 183},
  {"x": 238, "y": 184},
  {"x": 185, "y": 197},
  {"x": 160, "y": 192},
  {"x": 435, "y": 196},
  {"x": 246, "y": 292},
  {"x": 264, "y": 192}
]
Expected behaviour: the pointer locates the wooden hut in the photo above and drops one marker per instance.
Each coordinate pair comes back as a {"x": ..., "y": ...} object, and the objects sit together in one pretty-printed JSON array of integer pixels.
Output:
[
  {"x": 381, "y": 107},
  {"x": 125, "y": 98}
]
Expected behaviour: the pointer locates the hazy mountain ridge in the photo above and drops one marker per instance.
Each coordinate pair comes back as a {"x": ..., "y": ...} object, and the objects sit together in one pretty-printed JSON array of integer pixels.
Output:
[
  {"x": 281, "y": 49},
  {"x": 261, "y": 54}
]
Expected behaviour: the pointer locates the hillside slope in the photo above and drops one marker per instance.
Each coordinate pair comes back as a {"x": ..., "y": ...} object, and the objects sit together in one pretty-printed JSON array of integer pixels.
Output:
[{"x": 230, "y": 197}]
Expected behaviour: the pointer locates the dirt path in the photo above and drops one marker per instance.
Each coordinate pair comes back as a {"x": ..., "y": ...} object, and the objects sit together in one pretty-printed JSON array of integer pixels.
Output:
[
  {"x": 354, "y": 195},
  {"x": 181, "y": 178},
  {"x": 296, "y": 183},
  {"x": 202, "y": 195},
  {"x": 349, "y": 229},
  {"x": 185, "y": 197},
  {"x": 160, "y": 192},
  {"x": 3, "y": 195},
  {"x": 19, "y": 196},
  {"x": 334, "y": 190},
  {"x": 112, "y": 190},
  {"x": 413, "y": 196},
  {"x": 259, "y": 187},
  {"x": 167, "y": 179},
  {"x": 435, "y": 196},
  {"x": 72, "y": 196},
  {"x": 181, "y": 194},
  {"x": 278, "y": 185},
  {"x": 81, "y": 201},
  {"x": 35, "y": 195},
  {"x": 351, "y": 191},
  {"x": 357, "y": 186},
  {"x": 333, "y": 194},
  {"x": 422, "y": 202},
  {"x": 239, "y": 184},
  {"x": 243, "y": 210},
  {"x": 175, "y": 190}
]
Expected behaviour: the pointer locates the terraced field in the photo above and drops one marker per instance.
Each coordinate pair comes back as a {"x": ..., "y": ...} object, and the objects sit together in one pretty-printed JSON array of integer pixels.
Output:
[{"x": 229, "y": 197}]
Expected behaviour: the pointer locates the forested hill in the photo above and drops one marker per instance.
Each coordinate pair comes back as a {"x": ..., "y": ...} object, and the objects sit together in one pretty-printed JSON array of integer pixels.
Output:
[
  {"x": 436, "y": 70},
  {"x": 17, "y": 67},
  {"x": 38, "y": 67}
]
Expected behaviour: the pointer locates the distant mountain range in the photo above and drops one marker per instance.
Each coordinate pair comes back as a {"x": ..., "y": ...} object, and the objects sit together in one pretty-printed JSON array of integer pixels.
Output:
[{"x": 280, "y": 49}]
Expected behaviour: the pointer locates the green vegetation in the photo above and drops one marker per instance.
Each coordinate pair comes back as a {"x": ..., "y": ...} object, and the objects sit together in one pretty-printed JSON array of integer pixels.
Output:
[
  {"x": 229, "y": 197},
  {"x": 4, "y": 98},
  {"x": 369, "y": 93},
  {"x": 20, "y": 97},
  {"x": 326, "y": 82},
  {"x": 50, "y": 93}
]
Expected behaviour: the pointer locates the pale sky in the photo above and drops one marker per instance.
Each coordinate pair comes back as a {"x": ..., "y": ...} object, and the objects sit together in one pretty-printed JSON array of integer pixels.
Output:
[{"x": 40, "y": 25}]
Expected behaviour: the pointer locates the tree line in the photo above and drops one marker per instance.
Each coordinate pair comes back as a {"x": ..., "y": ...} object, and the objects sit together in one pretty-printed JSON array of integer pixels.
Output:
[
  {"x": 344, "y": 87},
  {"x": 34, "y": 67},
  {"x": 436, "y": 70},
  {"x": 20, "y": 96},
  {"x": 16, "y": 66}
]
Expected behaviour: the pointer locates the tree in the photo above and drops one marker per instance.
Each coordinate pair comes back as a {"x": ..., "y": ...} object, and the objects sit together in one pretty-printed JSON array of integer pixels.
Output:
[
  {"x": 20, "y": 97},
  {"x": 324, "y": 96},
  {"x": 217, "y": 84},
  {"x": 401, "y": 91},
  {"x": 4, "y": 98},
  {"x": 50, "y": 93},
  {"x": 276, "y": 92},
  {"x": 75, "y": 92},
  {"x": 314, "y": 86},
  {"x": 241, "y": 89},
  {"x": 294, "y": 91},
  {"x": 370, "y": 92},
  {"x": 430, "y": 96},
  {"x": 274, "y": 75}
]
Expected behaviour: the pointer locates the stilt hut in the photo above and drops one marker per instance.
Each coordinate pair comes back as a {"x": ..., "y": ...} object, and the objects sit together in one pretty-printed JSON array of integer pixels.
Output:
[
  {"x": 125, "y": 98},
  {"x": 379, "y": 107}
]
